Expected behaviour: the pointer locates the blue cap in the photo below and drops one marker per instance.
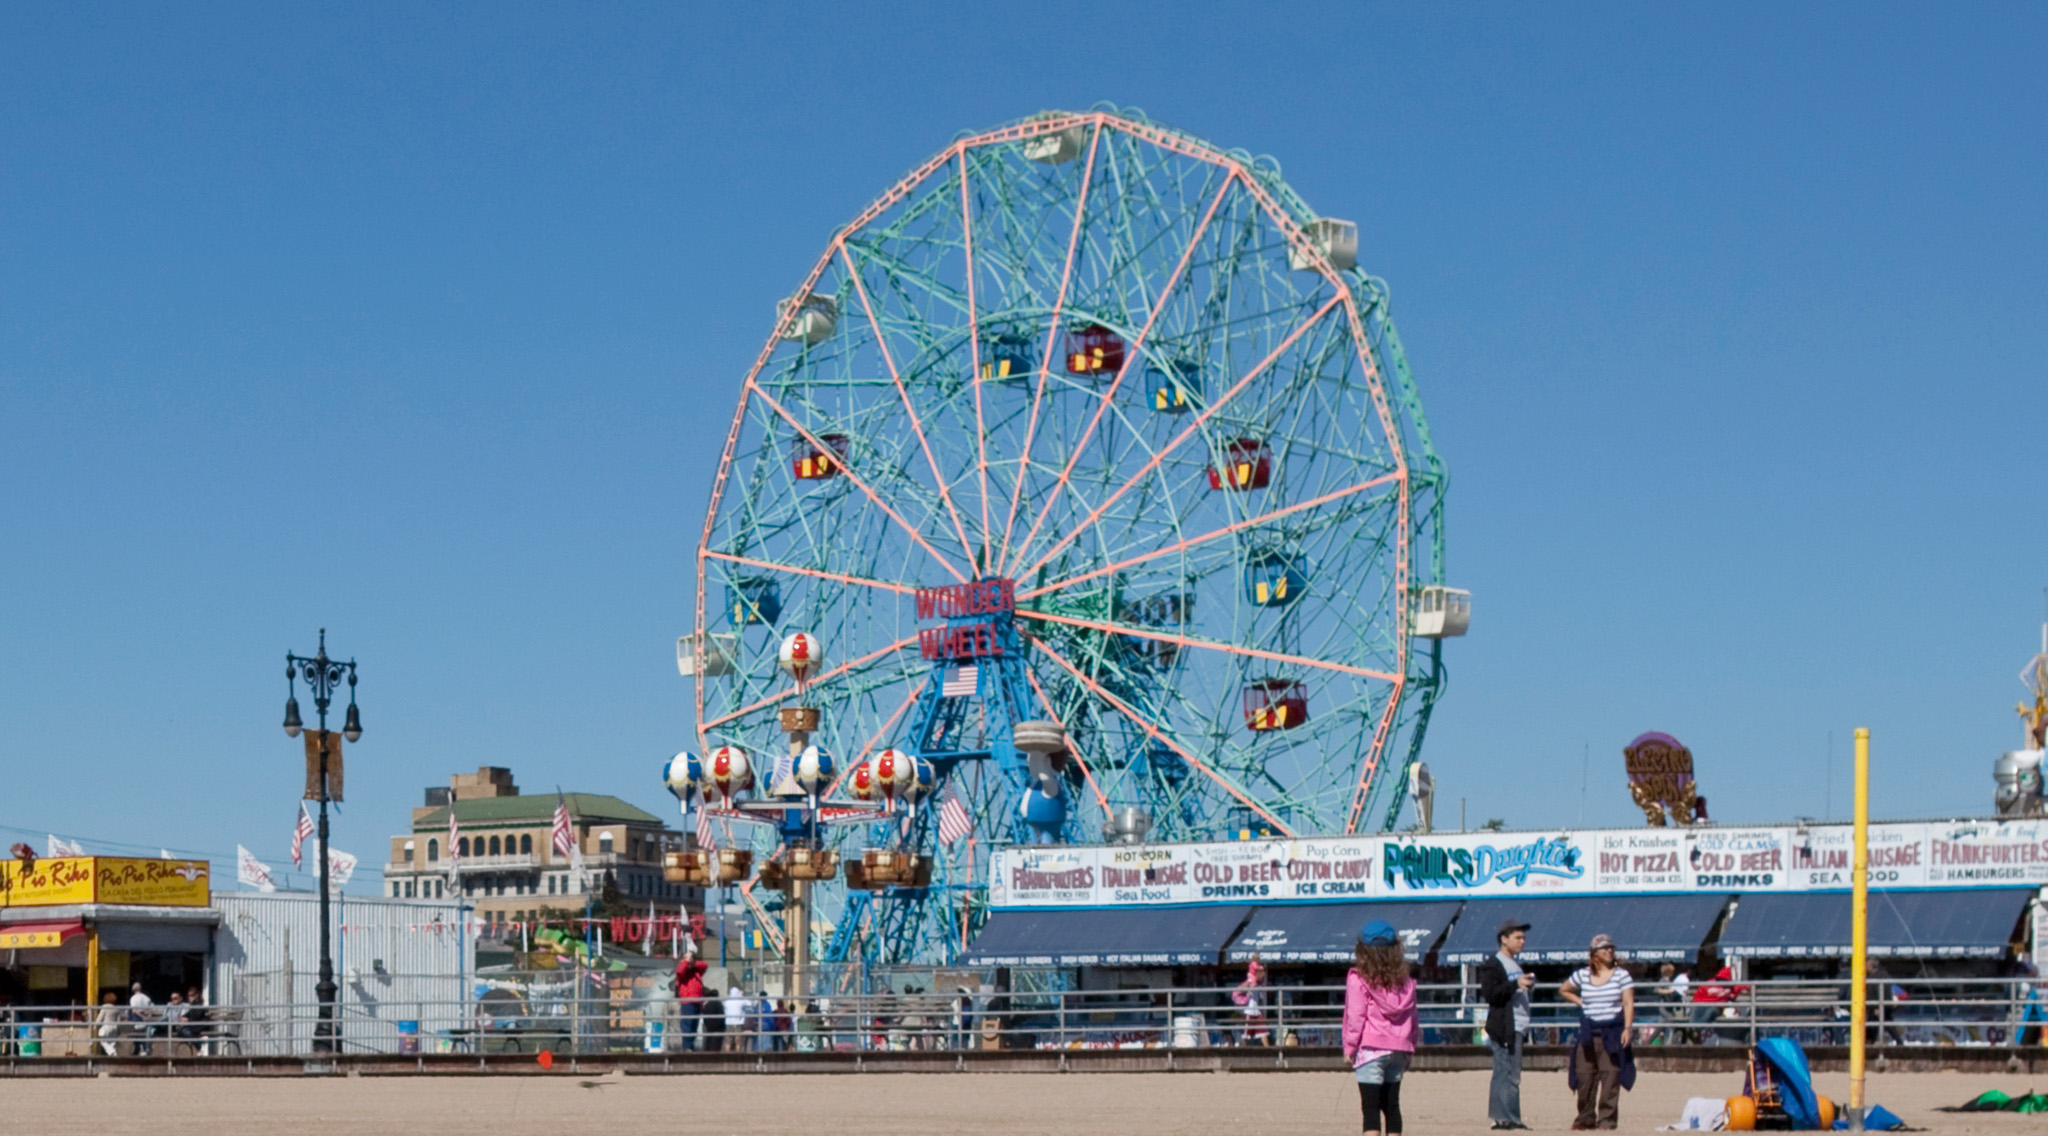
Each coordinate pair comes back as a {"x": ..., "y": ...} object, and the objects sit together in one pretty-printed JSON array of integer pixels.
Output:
[{"x": 1378, "y": 933}]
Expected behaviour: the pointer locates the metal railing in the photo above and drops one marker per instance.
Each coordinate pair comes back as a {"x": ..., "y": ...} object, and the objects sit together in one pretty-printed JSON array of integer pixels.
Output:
[{"x": 587, "y": 1014}]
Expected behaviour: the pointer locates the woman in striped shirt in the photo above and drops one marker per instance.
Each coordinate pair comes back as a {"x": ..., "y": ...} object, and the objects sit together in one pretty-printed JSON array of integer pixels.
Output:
[{"x": 1602, "y": 1064}]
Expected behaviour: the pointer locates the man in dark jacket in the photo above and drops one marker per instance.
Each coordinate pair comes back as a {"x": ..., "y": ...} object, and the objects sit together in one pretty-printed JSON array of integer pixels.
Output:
[{"x": 1505, "y": 988}]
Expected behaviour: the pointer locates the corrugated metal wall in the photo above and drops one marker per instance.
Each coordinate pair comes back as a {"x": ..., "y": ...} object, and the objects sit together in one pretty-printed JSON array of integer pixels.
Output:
[{"x": 396, "y": 960}]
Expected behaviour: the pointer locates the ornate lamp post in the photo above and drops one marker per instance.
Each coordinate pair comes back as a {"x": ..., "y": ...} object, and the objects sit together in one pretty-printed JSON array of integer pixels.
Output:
[{"x": 322, "y": 675}]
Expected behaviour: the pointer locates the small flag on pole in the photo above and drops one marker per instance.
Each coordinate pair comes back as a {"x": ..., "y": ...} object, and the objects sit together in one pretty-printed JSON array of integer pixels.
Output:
[
  {"x": 703, "y": 826},
  {"x": 564, "y": 833},
  {"x": 953, "y": 820},
  {"x": 300, "y": 832},
  {"x": 454, "y": 853},
  {"x": 960, "y": 682},
  {"x": 58, "y": 846},
  {"x": 340, "y": 866},
  {"x": 251, "y": 871}
]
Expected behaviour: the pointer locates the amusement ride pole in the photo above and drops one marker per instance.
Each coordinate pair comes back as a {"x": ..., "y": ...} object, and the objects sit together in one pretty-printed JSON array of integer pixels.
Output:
[
  {"x": 322, "y": 675},
  {"x": 1859, "y": 930}
]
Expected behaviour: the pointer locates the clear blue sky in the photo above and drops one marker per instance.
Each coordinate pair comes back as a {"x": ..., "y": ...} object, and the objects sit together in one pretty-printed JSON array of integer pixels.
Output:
[{"x": 423, "y": 323}]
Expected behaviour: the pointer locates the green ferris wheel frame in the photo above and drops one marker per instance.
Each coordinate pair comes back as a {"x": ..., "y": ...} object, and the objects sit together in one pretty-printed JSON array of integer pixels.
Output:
[{"x": 917, "y": 418}]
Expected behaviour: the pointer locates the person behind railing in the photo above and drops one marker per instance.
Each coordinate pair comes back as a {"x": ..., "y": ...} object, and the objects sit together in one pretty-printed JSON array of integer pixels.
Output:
[
  {"x": 108, "y": 1024},
  {"x": 1602, "y": 1061},
  {"x": 1381, "y": 1027},
  {"x": 913, "y": 1018},
  {"x": 961, "y": 1012},
  {"x": 761, "y": 1018},
  {"x": 785, "y": 1025},
  {"x": 1681, "y": 998},
  {"x": 689, "y": 987},
  {"x": 141, "y": 1010},
  {"x": 1247, "y": 995},
  {"x": 735, "y": 1020},
  {"x": 1668, "y": 1003},
  {"x": 1711, "y": 1000},
  {"x": 2029, "y": 1004},
  {"x": 174, "y": 1026},
  {"x": 196, "y": 1016}
]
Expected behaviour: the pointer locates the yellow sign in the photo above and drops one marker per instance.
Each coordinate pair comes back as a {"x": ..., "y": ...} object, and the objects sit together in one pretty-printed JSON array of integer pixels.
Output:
[
  {"x": 22, "y": 940},
  {"x": 106, "y": 879},
  {"x": 156, "y": 883},
  {"x": 67, "y": 879}
]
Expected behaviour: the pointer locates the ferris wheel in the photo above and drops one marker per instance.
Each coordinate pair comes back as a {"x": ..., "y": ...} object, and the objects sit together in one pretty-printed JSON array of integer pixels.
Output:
[{"x": 1089, "y": 426}]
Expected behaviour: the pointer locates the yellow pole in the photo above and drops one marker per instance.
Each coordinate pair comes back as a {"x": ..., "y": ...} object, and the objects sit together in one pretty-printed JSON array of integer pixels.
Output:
[
  {"x": 1859, "y": 930},
  {"x": 92, "y": 968}
]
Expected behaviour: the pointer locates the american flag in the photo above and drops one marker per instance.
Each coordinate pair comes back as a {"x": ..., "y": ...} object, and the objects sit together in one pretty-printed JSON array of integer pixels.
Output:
[
  {"x": 454, "y": 855},
  {"x": 959, "y": 682},
  {"x": 953, "y": 820},
  {"x": 703, "y": 826},
  {"x": 564, "y": 835},
  {"x": 300, "y": 832}
]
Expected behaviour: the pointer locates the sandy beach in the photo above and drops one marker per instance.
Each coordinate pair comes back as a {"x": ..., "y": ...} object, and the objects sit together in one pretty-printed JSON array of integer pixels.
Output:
[{"x": 1257, "y": 1104}]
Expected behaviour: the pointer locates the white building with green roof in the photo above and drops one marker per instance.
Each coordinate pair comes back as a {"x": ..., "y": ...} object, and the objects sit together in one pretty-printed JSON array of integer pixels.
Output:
[{"x": 504, "y": 858}]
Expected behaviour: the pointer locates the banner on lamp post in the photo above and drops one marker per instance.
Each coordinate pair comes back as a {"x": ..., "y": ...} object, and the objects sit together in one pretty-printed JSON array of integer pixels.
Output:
[{"x": 313, "y": 765}]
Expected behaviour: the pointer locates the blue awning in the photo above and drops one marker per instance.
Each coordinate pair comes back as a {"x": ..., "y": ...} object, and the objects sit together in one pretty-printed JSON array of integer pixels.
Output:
[
  {"x": 1101, "y": 936},
  {"x": 1954, "y": 923},
  {"x": 1646, "y": 928},
  {"x": 1328, "y": 932}
]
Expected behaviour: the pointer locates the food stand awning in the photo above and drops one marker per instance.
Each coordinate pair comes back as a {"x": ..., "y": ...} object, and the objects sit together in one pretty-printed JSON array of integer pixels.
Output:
[
  {"x": 1105, "y": 936},
  {"x": 1561, "y": 928},
  {"x": 27, "y": 936},
  {"x": 1950, "y": 923},
  {"x": 1328, "y": 932}
]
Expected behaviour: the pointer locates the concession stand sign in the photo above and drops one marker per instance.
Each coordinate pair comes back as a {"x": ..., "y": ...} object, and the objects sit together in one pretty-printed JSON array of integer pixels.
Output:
[
  {"x": 1812, "y": 857},
  {"x": 105, "y": 879}
]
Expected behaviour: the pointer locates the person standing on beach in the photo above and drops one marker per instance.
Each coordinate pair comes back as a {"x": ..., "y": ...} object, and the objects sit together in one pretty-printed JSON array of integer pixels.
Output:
[
  {"x": 1380, "y": 1024},
  {"x": 1505, "y": 988},
  {"x": 1602, "y": 1061}
]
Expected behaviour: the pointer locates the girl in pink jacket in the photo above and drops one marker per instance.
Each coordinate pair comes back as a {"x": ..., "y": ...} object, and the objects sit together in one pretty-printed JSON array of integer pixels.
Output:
[{"x": 1380, "y": 1026}]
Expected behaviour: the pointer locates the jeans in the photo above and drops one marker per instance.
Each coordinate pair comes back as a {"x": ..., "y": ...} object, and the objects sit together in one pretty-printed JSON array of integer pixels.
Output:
[{"x": 1504, "y": 1097}]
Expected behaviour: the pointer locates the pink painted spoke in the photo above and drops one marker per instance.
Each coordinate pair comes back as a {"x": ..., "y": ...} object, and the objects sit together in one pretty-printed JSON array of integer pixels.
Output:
[
  {"x": 820, "y": 573},
  {"x": 869, "y": 748},
  {"x": 1052, "y": 333},
  {"x": 1401, "y": 639},
  {"x": 1159, "y": 735},
  {"x": 766, "y": 921},
  {"x": 835, "y": 672},
  {"x": 846, "y": 469},
  {"x": 1226, "y": 530},
  {"x": 1086, "y": 775},
  {"x": 974, "y": 355},
  {"x": 1372, "y": 758},
  {"x": 1209, "y": 645},
  {"x": 1130, "y": 360},
  {"x": 1183, "y": 436},
  {"x": 1378, "y": 388},
  {"x": 916, "y": 427}
]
